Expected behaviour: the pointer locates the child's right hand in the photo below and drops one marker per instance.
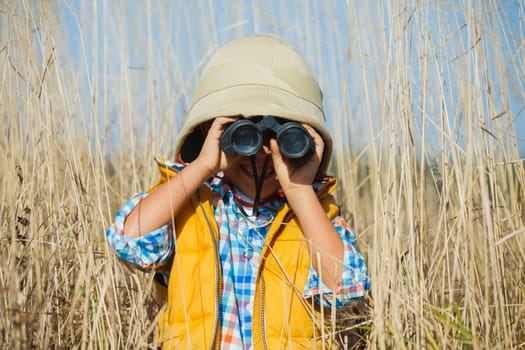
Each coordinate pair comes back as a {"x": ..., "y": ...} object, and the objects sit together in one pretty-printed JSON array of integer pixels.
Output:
[
  {"x": 211, "y": 158},
  {"x": 153, "y": 211}
]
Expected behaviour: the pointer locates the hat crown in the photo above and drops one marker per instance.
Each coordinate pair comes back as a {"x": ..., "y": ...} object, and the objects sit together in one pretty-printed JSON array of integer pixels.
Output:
[
  {"x": 259, "y": 60},
  {"x": 252, "y": 76}
]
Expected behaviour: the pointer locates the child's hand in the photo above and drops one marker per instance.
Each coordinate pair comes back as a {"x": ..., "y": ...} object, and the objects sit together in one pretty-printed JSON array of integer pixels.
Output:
[
  {"x": 211, "y": 158},
  {"x": 294, "y": 176}
]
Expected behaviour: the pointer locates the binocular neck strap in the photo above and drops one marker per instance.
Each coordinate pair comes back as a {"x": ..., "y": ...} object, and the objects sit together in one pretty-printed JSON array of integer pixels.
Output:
[{"x": 259, "y": 179}]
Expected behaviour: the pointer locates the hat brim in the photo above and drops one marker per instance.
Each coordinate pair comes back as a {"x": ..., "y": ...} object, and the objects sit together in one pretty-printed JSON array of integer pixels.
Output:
[{"x": 255, "y": 100}]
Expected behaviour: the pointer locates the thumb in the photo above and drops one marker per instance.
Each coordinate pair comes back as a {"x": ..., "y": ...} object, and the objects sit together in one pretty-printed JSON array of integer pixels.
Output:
[
  {"x": 279, "y": 165},
  {"x": 276, "y": 152}
]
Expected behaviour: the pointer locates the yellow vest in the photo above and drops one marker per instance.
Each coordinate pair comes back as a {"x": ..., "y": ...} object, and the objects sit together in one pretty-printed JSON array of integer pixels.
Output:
[{"x": 282, "y": 318}]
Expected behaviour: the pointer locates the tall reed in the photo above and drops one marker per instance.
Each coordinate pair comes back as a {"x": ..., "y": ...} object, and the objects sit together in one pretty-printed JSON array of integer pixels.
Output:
[{"x": 422, "y": 99}]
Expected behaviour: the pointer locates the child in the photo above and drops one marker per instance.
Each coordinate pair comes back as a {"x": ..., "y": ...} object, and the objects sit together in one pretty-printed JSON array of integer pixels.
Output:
[{"x": 249, "y": 247}]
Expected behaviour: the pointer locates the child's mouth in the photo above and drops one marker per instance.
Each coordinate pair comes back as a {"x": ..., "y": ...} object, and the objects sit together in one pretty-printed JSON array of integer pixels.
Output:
[{"x": 248, "y": 171}]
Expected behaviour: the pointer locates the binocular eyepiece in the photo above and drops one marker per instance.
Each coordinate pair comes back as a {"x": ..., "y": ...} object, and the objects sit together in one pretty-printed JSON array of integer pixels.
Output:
[{"x": 245, "y": 137}]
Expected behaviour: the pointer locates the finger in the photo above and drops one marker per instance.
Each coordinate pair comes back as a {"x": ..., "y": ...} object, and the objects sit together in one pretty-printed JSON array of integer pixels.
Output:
[
  {"x": 279, "y": 165},
  {"x": 318, "y": 140},
  {"x": 274, "y": 148},
  {"x": 277, "y": 157},
  {"x": 218, "y": 126},
  {"x": 225, "y": 120},
  {"x": 220, "y": 122},
  {"x": 315, "y": 135}
]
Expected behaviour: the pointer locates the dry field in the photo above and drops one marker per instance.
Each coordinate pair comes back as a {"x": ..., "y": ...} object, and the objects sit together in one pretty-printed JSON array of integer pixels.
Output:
[{"x": 425, "y": 111}]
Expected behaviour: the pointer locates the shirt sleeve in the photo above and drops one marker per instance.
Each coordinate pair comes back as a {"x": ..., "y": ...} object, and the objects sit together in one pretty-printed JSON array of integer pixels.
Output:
[
  {"x": 148, "y": 252},
  {"x": 355, "y": 281}
]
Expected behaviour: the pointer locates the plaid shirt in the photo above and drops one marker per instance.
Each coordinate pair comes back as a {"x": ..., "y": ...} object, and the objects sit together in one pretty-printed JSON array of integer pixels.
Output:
[{"x": 240, "y": 244}]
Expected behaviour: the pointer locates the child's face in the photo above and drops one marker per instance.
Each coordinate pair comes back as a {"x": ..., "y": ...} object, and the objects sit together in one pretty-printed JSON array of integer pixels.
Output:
[{"x": 242, "y": 178}]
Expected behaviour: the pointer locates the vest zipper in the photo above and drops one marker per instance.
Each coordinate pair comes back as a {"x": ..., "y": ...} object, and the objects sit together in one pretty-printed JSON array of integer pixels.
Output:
[
  {"x": 218, "y": 283},
  {"x": 218, "y": 278},
  {"x": 263, "y": 319},
  {"x": 269, "y": 237}
]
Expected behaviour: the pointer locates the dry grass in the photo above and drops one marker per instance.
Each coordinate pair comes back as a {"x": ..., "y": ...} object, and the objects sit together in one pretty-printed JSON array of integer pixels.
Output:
[{"x": 432, "y": 179}]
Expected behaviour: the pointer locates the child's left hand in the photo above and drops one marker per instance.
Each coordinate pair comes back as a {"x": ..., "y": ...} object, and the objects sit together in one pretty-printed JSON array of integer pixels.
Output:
[{"x": 295, "y": 176}]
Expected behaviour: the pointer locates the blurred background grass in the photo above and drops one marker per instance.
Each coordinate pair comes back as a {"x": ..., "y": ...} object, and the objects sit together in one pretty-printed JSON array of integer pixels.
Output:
[{"x": 425, "y": 102}]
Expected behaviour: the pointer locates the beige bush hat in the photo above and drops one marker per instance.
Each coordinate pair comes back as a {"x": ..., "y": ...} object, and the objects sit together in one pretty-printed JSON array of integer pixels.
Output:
[{"x": 253, "y": 76}]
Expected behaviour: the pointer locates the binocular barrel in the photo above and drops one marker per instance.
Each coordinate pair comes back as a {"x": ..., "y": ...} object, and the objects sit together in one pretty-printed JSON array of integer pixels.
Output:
[{"x": 245, "y": 137}]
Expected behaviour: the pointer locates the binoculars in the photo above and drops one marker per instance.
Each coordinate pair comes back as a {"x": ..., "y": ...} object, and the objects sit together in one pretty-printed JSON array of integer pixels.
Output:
[{"x": 245, "y": 137}]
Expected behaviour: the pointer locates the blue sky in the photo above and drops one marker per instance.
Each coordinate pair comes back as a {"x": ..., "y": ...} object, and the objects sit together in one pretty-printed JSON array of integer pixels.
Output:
[{"x": 131, "y": 53}]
